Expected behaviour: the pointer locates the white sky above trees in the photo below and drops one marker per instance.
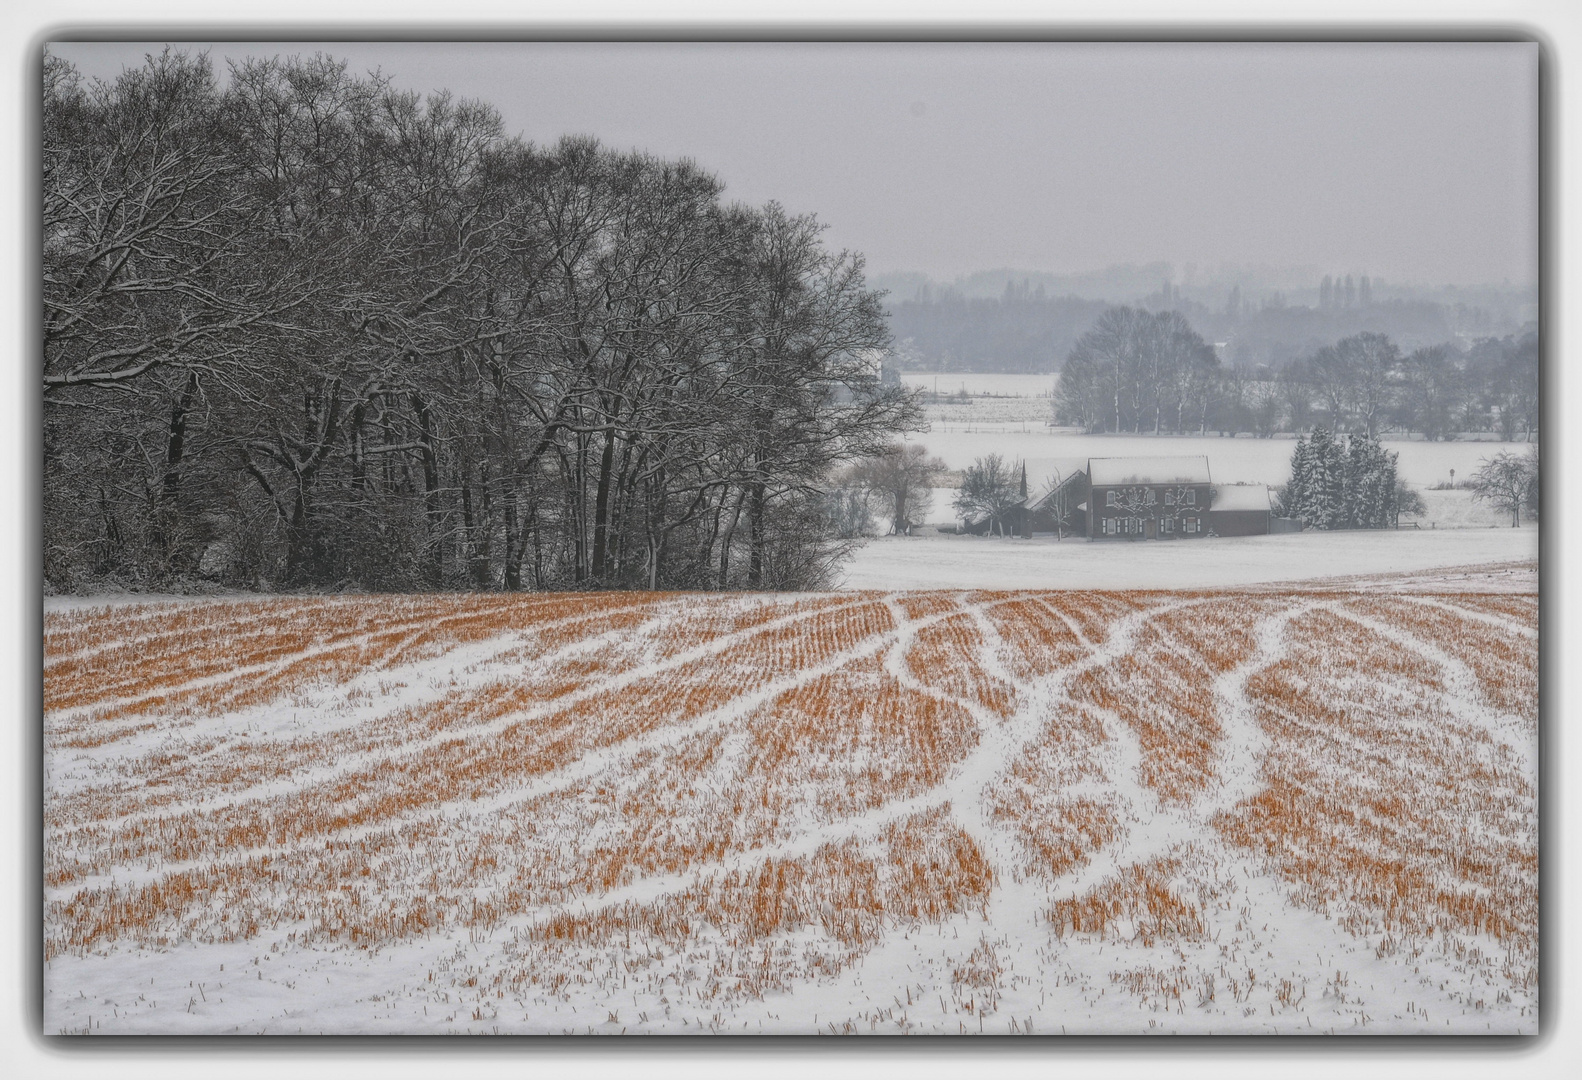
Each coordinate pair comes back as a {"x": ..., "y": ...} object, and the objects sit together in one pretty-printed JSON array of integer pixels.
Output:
[{"x": 1412, "y": 162}]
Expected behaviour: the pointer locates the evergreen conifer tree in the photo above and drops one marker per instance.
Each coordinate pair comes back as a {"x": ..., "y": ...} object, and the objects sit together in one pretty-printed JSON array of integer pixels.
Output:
[
  {"x": 1326, "y": 486},
  {"x": 1357, "y": 491},
  {"x": 1367, "y": 495},
  {"x": 1294, "y": 499}
]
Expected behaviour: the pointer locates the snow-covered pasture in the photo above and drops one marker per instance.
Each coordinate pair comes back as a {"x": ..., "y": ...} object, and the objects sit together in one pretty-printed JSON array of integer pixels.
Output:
[
  {"x": 947, "y": 561},
  {"x": 958, "y": 812},
  {"x": 975, "y": 383}
]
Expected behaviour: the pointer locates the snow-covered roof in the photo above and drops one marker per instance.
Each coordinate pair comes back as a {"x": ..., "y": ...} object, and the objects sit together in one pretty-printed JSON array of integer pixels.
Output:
[
  {"x": 1186, "y": 469},
  {"x": 1241, "y": 497},
  {"x": 1041, "y": 471}
]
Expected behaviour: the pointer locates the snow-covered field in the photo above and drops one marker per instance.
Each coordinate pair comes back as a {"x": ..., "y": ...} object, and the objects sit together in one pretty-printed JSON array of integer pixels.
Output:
[
  {"x": 997, "y": 384},
  {"x": 947, "y": 561},
  {"x": 948, "y": 812},
  {"x": 989, "y": 414}
]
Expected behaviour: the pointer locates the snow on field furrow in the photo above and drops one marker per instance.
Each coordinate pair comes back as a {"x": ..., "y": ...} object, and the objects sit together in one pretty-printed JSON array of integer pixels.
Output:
[
  {"x": 1016, "y": 906},
  {"x": 1425, "y": 871},
  {"x": 614, "y": 759},
  {"x": 1243, "y": 744},
  {"x": 864, "y": 828},
  {"x": 586, "y": 767},
  {"x": 1521, "y": 609},
  {"x": 195, "y": 644},
  {"x": 1121, "y": 759},
  {"x": 1463, "y": 697},
  {"x": 371, "y": 619},
  {"x": 1276, "y": 966},
  {"x": 1152, "y": 828},
  {"x": 60, "y": 719},
  {"x": 1509, "y": 625},
  {"x": 125, "y": 635},
  {"x": 279, "y": 719},
  {"x": 411, "y": 686},
  {"x": 1075, "y": 627},
  {"x": 354, "y": 760},
  {"x": 964, "y": 784},
  {"x": 338, "y": 732}
]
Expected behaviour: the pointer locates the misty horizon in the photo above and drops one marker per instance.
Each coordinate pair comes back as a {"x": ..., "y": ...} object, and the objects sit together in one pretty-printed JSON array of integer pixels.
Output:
[
  {"x": 1415, "y": 163},
  {"x": 1288, "y": 280}
]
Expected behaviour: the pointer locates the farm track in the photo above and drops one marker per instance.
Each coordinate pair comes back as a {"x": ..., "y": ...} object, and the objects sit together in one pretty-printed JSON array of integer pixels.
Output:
[{"x": 748, "y": 801}]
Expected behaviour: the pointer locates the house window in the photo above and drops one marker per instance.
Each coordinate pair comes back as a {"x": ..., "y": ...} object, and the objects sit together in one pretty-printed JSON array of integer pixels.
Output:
[
  {"x": 1150, "y": 499},
  {"x": 1191, "y": 496},
  {"x": 1167, "y": 525},
  {"x": 1109, "y": 498},
  {"x": 1189, "y": 525},
  {"x": 1170, "y": 497}
]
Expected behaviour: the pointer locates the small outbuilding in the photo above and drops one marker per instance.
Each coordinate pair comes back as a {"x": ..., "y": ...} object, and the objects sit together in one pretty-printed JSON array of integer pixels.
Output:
[{"x": 1240, "y": 510}]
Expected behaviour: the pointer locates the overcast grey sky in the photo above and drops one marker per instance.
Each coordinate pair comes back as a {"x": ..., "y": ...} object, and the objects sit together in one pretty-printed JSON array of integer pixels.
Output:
[{"x": 1414, "y": 162}]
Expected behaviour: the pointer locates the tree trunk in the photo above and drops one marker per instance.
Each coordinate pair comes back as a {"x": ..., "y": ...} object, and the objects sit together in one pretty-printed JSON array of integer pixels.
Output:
[
  {"x": 601, "y": 506},
  {"x": 513, "y": 541},
  {"x": 725, "y": 541},
  {"x": 757, "y": 536},
  {"x": 433, "y": 509},
  {"x": 166, "y": 511}
]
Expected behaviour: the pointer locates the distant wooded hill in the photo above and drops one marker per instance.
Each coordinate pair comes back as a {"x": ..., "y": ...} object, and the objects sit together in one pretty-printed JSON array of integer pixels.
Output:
[{"x": 1029, "y": 326}]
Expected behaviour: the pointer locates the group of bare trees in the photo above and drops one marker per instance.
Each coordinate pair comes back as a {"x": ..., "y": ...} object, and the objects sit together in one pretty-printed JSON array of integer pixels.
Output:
[
  {"x": 307, "y": 330},
  {"x": 895, "y": 486},
  {"x": 1364, "y": 383},
  {"x": 1138, "y": 371},
  {"x": 1150, "y": 372}
]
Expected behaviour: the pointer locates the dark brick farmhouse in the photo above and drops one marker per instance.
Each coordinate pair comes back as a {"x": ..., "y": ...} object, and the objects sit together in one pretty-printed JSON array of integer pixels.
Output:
[{"x": 1148, "y": 498}]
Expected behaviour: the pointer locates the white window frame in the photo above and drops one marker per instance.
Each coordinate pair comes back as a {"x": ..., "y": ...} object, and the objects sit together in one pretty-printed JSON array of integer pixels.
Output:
[
  {"x": 1191, "y": 496},
  {"x": 1167, "y": 525},
  {"x": 1109, "y": 497}
]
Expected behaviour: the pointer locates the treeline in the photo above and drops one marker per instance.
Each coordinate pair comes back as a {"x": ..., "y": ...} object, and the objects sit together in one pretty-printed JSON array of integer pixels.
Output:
[
  {"x": 1028, "y": 328},
  {"x": 306, "y": 330},
  {"x": 1142, "y": 371},
  {"x": 1276, "y": 335},
  {"x": 1023, "y": 330}
]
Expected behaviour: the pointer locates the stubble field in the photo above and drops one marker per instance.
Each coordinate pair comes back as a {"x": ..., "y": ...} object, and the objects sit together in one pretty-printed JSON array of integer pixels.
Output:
[{"x": 915, "y": 812}]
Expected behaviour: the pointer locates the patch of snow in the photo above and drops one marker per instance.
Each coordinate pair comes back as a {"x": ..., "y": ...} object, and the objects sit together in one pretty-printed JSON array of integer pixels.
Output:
[{"x": 944, "y": 561}]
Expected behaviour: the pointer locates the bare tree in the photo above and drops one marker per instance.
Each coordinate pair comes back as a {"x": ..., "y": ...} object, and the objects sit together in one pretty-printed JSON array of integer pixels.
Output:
[
  {"x": 1369, "y": 362},
  {"x": 1506, "y": 480},
  {"x": 1432, "y": 391},
  {"x": 1331, "y": 379},
  {"x": 902, "y": 478},
  {"x": 988, "y": 489},
  {"x": 153, "y": 253}
]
